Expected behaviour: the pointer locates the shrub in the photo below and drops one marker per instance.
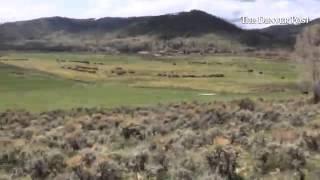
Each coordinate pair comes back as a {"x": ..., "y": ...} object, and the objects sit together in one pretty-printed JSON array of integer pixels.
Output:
[
  {"x": 183, "y": 174},
  {"x": 223, "y": 161},
  {"x": 138, "y": 162},
  {"x": 190, "y": 139},
  {"x": 279, "y": 157},
  {"x": 312, "y": 142},
  {"x": 39, "y": 169},
  {"x": 245, "y": 116},
  {"x": 89, "y": 158},
  {"x": 56, "y": 162},
  {"x": 247, "y": 104},
  {"x": 109, "y": 171},
  {"x": 77, "y": 142},
  {"x": 134, "y": 131},
  {"x": 83, "y": 174},
  {"x": 45, "y": 164}
]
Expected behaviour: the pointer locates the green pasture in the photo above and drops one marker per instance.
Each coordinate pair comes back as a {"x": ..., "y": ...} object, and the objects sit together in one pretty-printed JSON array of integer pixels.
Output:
[{"x": 40, "y": 84}]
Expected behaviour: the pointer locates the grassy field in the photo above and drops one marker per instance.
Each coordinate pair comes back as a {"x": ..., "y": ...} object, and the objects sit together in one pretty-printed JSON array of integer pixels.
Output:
[{"x": 42, "y": 84}]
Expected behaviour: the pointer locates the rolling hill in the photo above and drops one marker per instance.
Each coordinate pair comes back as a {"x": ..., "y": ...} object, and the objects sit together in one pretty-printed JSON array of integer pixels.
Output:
[
  {"x": 186, "y": 31},
  {"x": 287, "y": 33}
]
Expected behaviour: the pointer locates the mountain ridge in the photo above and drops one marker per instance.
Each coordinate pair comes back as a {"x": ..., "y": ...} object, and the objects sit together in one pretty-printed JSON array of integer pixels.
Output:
[{"x": 62, "y": 33}]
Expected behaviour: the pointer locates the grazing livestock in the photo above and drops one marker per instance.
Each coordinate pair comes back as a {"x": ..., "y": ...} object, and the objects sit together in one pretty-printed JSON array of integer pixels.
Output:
[
  {"x": 119, "y": 71},
  {"x": 91, "y": 70},
  {"x": 82, "y": 62},
  {"x": 174, "y": 75}
]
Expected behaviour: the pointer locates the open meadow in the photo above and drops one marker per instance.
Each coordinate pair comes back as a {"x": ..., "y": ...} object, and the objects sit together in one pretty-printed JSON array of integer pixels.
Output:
[
  {"x": 79, "y": 116},
  {"x": 158, "y": 94},
  {"x": 48, "y": 81}
]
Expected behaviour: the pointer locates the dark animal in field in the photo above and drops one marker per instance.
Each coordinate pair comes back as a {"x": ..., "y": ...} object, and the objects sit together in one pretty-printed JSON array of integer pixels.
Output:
[
  {"x": 198, "y": 62},
  {"x": 316, "y": 92},
  {"x": 119, "y": 71},
  {"x": 250, "y": 70},
  {"x": 86, "y": 71},
  {"x": 91, "y": 70},
  {"x": 162, "y": 74},
  {"x": 174, "y": 75},
  {"x": 118, "y": 68},
  {"x": 82, "y": 62},
  {"x": 261, "y": 72},
  {"x": 215, "y": 63},
  {"x": 216, "y": 76},
  {"x": 87, "y": 68},
  {"x": 185, "y": 76},
  {"x": 98, "y": 63}
]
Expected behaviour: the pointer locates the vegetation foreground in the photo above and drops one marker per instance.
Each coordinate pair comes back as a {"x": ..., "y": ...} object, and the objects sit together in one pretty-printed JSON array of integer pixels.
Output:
[
  {"x": 234, "y": 140},
  {"x": 200, "y": 138}
]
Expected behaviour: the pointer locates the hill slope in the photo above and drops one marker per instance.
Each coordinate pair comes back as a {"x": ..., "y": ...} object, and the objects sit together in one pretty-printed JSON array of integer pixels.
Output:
[
  {"x": 287, "y": 33},
  {"x": 181, "y": 31}
]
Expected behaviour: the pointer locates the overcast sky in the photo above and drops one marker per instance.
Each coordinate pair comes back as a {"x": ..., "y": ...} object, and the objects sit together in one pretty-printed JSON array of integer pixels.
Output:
[{"x": 232, "y": 10}]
